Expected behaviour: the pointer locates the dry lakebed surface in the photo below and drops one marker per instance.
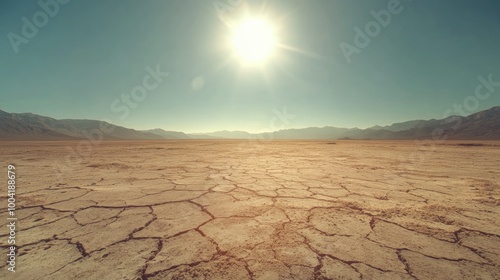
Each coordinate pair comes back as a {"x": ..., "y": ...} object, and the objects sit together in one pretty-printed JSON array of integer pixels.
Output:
[{"x": 206, "y": 209}]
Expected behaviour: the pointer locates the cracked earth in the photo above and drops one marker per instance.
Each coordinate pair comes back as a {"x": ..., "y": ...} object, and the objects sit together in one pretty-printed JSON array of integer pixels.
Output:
[{"x": 263, "y": 210}]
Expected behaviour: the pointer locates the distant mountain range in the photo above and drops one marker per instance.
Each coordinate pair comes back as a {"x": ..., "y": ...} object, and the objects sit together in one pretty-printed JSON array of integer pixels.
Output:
[
  {"x": 399, "y": 126},
  {"x": 167, "y": 134},
  {"x": 484, "y": 125},
  {"x": 28, "y": 126}
]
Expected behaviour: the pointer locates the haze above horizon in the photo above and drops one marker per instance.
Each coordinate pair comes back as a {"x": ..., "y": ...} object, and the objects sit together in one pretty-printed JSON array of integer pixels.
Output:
[{"x": 189, "y": 65}]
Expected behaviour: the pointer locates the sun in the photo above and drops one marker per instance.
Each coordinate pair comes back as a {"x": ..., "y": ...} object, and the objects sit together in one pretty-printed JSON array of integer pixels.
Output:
[{"x": 254, "y": 40}]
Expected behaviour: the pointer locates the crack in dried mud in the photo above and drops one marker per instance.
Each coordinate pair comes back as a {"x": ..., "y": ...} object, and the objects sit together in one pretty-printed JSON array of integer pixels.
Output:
[{"x": 218, "y": 212}]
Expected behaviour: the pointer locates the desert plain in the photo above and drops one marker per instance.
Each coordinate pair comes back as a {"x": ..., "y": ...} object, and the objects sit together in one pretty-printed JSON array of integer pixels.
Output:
[{"x": 237, "y": 209}]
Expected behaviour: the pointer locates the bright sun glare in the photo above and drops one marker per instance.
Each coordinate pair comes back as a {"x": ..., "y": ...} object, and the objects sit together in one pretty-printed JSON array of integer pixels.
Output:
[{"x": 254, "y": 40}]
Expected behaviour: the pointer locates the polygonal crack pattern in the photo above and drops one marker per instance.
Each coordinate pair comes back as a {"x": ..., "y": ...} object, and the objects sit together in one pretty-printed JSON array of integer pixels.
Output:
[{"x": 256, "y": 210}]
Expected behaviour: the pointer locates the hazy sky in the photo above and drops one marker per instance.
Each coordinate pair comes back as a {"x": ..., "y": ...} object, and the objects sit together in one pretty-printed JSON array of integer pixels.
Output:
[{"x": 87, "y": 55}]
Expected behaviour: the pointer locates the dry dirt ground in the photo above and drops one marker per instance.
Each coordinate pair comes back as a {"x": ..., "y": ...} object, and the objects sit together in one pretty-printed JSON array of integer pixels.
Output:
[{"x": 254, "y": 210}]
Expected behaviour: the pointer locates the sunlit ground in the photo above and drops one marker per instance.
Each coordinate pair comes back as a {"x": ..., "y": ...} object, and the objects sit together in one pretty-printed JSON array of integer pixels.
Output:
[{"x": 257, "y": 210}]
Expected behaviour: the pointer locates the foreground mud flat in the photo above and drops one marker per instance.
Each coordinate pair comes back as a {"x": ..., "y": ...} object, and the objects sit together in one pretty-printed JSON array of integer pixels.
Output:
[{"x": 254, "y": 210}]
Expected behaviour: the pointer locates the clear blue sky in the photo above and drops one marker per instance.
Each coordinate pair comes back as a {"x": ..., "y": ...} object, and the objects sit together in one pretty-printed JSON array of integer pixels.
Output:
[{"x": 91, "y": 52}]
